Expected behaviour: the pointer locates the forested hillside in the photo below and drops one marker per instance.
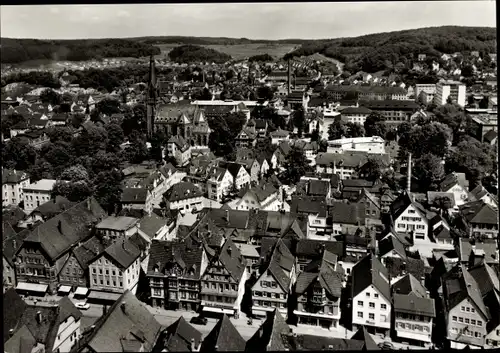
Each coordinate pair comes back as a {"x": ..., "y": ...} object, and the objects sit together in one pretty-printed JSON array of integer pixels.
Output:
[
  {"x": 379, "y": 51},
  {"x": 21, "y": 50},
  {"x": 195, "y": 53}
]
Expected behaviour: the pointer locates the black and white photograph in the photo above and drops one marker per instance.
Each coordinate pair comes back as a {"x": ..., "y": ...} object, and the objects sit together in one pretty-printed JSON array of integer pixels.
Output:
[{"x": 211, "y": 177}]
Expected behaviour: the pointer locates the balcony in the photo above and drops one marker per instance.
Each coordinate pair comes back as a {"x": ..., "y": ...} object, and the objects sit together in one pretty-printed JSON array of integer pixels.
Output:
[{"x": 318, "y": 300}]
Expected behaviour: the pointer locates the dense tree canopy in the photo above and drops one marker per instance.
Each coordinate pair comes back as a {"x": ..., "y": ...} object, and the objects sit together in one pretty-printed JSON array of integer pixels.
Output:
[
  {"x": 224, "y": 131},
  {"x": 375, "y": 125},
  {"x": 336, "y": 130},
  {"x": 296, "y": 166},
  {"x": 194, "y": 54},
  {"x": 261, "y": 58}
]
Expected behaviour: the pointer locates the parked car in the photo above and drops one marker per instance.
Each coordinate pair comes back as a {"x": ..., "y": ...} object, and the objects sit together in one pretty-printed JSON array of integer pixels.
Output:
[
  {"x": 388, "y": 346},
  {"x": 82, "y": 306},
  {"x": 199, "y": 320}
]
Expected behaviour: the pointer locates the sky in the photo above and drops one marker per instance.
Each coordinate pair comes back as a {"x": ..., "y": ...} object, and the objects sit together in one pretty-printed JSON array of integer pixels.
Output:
[{"x": 237, "y": 20}]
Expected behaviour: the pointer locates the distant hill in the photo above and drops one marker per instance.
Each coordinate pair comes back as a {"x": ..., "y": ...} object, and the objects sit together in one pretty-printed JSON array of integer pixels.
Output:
[
  {"x": 375, "y": 52},
  {"x": 20, "y": 50},
  {"x": 194, "y": 53}
]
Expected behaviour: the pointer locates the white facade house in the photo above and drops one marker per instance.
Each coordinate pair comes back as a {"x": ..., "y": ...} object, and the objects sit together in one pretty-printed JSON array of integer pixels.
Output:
[
  {"x": 410, "y": 217},
  {"x": 37, "y": 193},
  {"x": 117, "y": 269},
  {"x": 13, "y": 183},
  {"x": 68, "y": 334},
  {"x": 219, "y": 183},
  {"x": 184, "y": 196},
  {"x": 265, "y": 197},
  {"x": 429, "y": 88},
  {"x": 241, "y": 176},
  {"x": 371, "y": 302},
  {"x": 374, "y": 144},
  {"x": 355, "y": 115}
]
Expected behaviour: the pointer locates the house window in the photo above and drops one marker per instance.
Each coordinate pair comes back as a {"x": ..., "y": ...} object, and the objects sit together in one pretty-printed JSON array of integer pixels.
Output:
[
  {"x": 360, "y": 314},
  {"x": 371, "y": 305},
  {"x": 454, "y": 318},
  {"x": 467, "y": 321},
  {"x": 472, "y": 310},
  {"x": 367, "y": 295},
  {"x": 479, "y": 323},
  {"x": 371, "y": 316},
  {"x": 461, "y": 319},
  {"x": 383, "y": 318},
  {"x": 383, "y": 306},
  {"x": 462, "y": 308},
  {"x": 467, "y": 309},
  {"x": 360, "y": 303},
  {"x": 375, "y": 295},
  {"x": 473, "y": 322}
]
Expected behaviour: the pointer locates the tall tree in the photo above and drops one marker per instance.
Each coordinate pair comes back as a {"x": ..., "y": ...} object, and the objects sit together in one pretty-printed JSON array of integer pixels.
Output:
[
  {"x": 115, "y": 137},
  {"x": 354, "y": 130},
  {"x": 375, "y": 125},
  {"x": 107, "y": 189},
  {"x": 18, "y": 154},
  {"x": 336, "y": 130},
  {"x": 429, "y": 169},
  {"x": 51, "y": 97},
  {"x": 296, "y": 166}
]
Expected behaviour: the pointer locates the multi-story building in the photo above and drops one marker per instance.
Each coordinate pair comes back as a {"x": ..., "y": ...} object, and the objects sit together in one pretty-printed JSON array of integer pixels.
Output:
[
  {"x": 274, "y": 285},
  {"x": 117, "y": 268},
  {"x": 318, "y": 292},
  {"x": 394, "y": 111},
  {"x": 118, "y": 227},
  {"x": 261, "y": 197},
  {"x": 355, "y": 115},
  {"x": 466, "y": 315},
  {"x": 45, "y": 250},
  {"x": 54, "y": 328},
  {"x": 339, "y": 92},
  {"x": 179, "y": 149},
  {"x": 371, "y": 296},
  {"x": 414, "y": 311},
  {"x": 374, "y": 144},
  {"x": 223, "y": 283},
  {"x": 137, "y": 199},
  {"x": 74, "y": 272},
  {"x": 482, "y": 124},
  {"x": 184, "y": 196},
  {"x": 479, "y": 219},
  {"x": 480, "y": 193},
  {"x": 13, "y": 184},
  {"x": 454, "y": 90},
  {"x": 345, "y": 164},
  {"x": 457, "y": 184},
  {"x": 37, "y": 193},
  {"x": 251, "y": 256},
  {"x": 428, "y": 88},
  {"x": 241, "y": 178},
  {"x": 174, "y": 271},
  {"x": 410, "y": 216},
  {"x": 219, "y": 183},
  {"x": 247, "y": 137}
]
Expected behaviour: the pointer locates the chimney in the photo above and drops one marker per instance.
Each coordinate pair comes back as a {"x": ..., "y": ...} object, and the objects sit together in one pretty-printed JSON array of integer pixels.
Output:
[
  {"x": 14, "y": 244},
  {"x": 39, "y": 317},
  {"x": 59, "y": 226},
  {"x": 123, "y": 307},
  {"x": 229, "y": 250},
  {"x": 193, "y": 346},
  {"x": 408, "y": 180},
  {"x": 227, "y": 216},
  {"x": 11, "y": 332},
  {"x": 216, "y": 348}
]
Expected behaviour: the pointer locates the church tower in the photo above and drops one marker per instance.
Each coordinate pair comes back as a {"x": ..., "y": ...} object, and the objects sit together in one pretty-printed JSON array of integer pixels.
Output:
[{"x": 151, "y": 98}]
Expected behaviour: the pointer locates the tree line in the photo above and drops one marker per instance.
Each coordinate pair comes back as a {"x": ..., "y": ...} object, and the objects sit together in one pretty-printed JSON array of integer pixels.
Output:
[
  {"x": 21, "y": 50},
  {"x": 195, "y": 53}
]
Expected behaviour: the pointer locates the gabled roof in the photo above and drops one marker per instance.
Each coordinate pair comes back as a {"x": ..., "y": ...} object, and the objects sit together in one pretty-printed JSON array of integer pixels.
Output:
[
  {"x": 177, "y": 337},
  {"x": 370, "y": 271},
  {"x": 268, "y": 335},
  {"x": 312, "y": 248},
  {"x": 486, "y": 278},
  {"x": 127, "y": 318},
  {"x": 390, "y": 243},
  {"x": 231, "y": 258},
  {"x": 402, "y": 203},
  {"x": 152, "y": 223},
  {"x": 134, "y": 195},
  {"x": 345, "y": 213},
  {"x": 411, "y": 304},
  {"x": 11, "y": 176},
  {"x": 281, "y": 264},
  {"x": 123, "y": 253},
  {"x": 318, "y": 187},
  {"x": 182, "y": 191},
  {"x": 363, "y": 335},
  {"x": 224, "y": 337},
  {"x": 409, "y": 285},
  {"x": 117, "y": 223},
  {"x": 261, "y": 191},
  {"x": 58, "y": 234},
  {"x": 13, "y": 309},
  {"x": 453, "y": 179},
  {"x": 22, "y": 341},
  {"x": 188, "y": 257},
  {"x": 479, "y": 212},
  {"x": 488, "y": 247},
  {"x": 304, "y": 342},
  {"x": 53, "y": 207}
]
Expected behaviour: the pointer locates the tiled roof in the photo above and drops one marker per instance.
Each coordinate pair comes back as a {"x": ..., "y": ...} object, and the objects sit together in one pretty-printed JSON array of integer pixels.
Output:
[
  {"x": 390, "y": 243},
  {"x": 411, "y": 304},
  {"x": 11, "y": 176},
  {"x": 13, "y": 309},
  {"x": 311, "y": 248},
  {"x": 370, "y": 271},
  {"x": 268, "y": 335},
  {"x": 59, "y": 233},
  {"x": 344, "y": 213},
  {"x": 309, "y": 205},
  {"x": 53, "y": 207},
  {"x": 486, "y": 278},
  {"x": 127, "y": 318},
  {"x": 320, "y": 343},
  {"x": 117, "y": 223},
  {"x": 231, "y": 258},
  {"x": 452, "y": 179},
  {"x": 150, "y": 224},
  {"x": 163, "y": 254},
  {"x": 123, "y": 253},
  {"x": 363, "y": 335},
  {"x": 318, "y": 187},
  {"x": 261, "y": 191},
  {"x": 479, "y": 212},
  {"x": 488, "y": 247},
  {"x": 224, "y": 337},
  {"x": 182, "y": 191},
  {"x": 409, "y": 285},
  {"x": 281, "y": 265},
  {"x": 177, "y": 337},
  {"x": 356, "y": 110},
  {"x": 389, "y": 104},
  {"x": 22, "y": 341},
  {"x": 87, "y": 251},
  {"x": 134, "y": 195}
]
